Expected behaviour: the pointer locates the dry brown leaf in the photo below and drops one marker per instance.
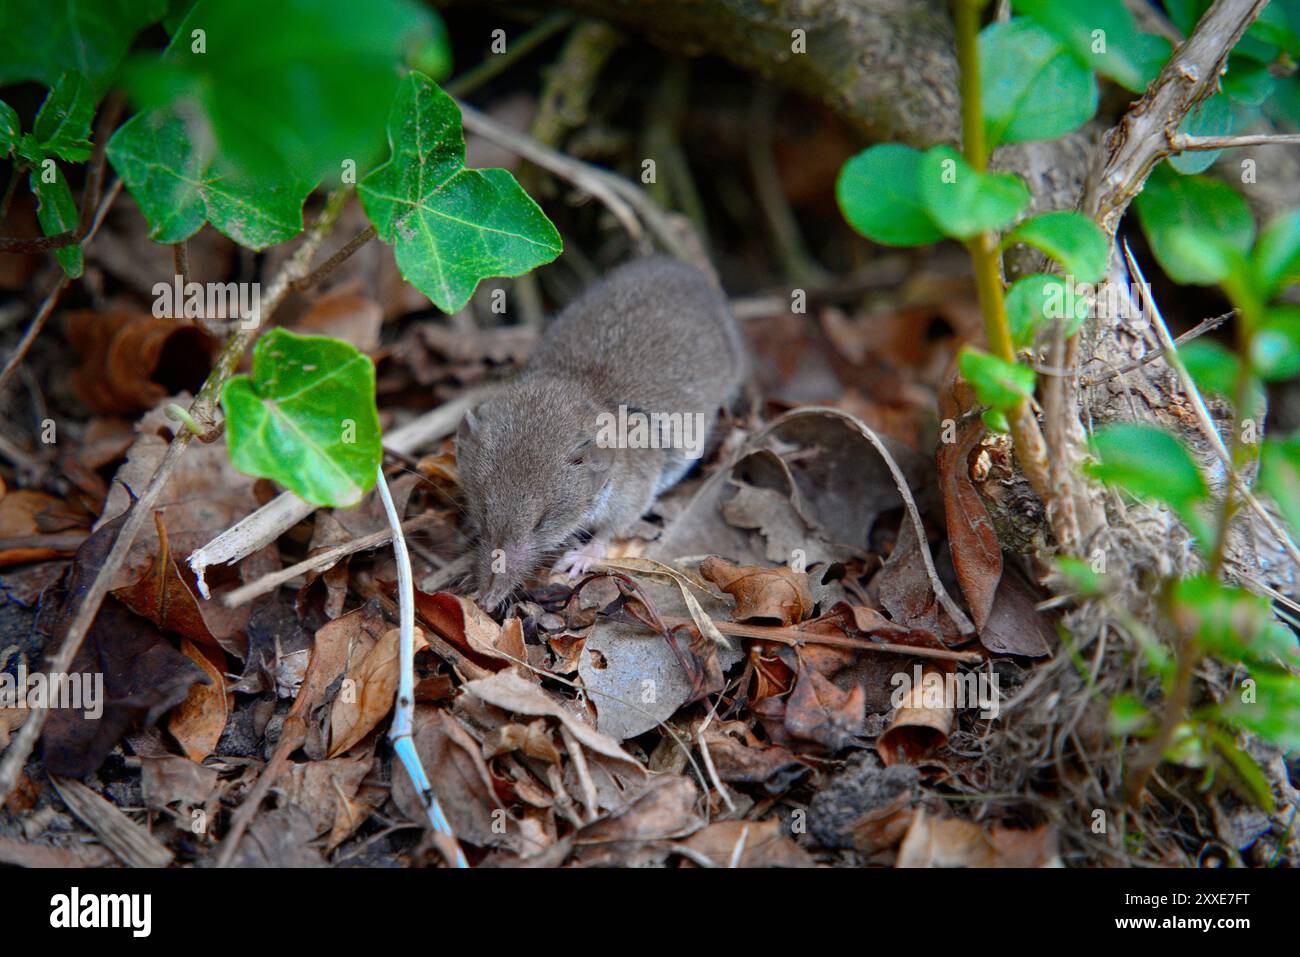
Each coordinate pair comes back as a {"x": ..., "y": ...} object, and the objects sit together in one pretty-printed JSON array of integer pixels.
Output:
[
  {"x": 367, "y": 693},
  {"x": 972, "y": 539},
  {"x": 921, "y": 724},
  {"x": 463, "y": 623},
  {"x": 169, "y": 779},
  {"x": 532, "y": 739},
  {"x": 954, "y": 842},
  {"x": 344, "y": 314},
  {"x": 462, "y": 782},
  {"x": 128, "y": 356},
  {"x": 818, "y": 710},
  {"x": 328, "y": 792},
  {"x": 508, "y": 690},
  {"x": 749, "y": 844},
  {"x": 197, "y": 722},
  {"x": 762, "y": 594}
]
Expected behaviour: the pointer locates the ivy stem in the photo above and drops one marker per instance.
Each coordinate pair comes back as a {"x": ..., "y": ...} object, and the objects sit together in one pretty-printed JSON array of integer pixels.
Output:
[
  {"x": 402, "y": 732},
  {"x": 1027, "y": 437}
]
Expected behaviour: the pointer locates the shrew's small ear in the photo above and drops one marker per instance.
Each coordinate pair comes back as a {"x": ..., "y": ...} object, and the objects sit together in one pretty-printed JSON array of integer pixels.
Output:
[{"x": 468, "y": 426}]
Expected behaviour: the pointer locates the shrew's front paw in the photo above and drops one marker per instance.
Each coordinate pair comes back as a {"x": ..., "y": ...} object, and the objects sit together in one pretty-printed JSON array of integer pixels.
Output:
[{"x": 578, "y": 561}]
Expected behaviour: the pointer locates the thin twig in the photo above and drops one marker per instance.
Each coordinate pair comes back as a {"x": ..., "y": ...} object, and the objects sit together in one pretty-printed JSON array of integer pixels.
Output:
[
  {"x": 1183, "y": 143},
  {"x": 328, "y": 266},
  {"x": 202, "y": 410},
  {"x": 591, "y": 180},
  {"x": 270, "y": 582},
  {"x": 181, "y": 260}
]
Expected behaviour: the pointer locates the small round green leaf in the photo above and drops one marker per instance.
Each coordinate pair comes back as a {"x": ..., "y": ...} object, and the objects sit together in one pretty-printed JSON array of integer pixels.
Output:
[
  {"x": 964, "y": 202},
  {"x": 1031, "y": 88},
  {"x": 1039, "y": 299},
  {"x": 1070, "y": 238},
  {"x": 878, "y": 194},
  {"x": 306, "y": 418},
  {"x": 1213, "y": 368},
  {"x": 1150, "y": 463},
  {"x": 1103, "y": 35},
  {"x": 1279, "y": 476},
  {"x": 1277, "y": 254},
  {"x": 997, "y": 383},
  {"x": 1275, "y": 346},
  {"x": 1193, "y": 224}
]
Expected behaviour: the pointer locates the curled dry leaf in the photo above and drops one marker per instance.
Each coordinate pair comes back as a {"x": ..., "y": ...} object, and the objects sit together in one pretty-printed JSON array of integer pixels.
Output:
[
  {"x": 367, "y": 693},
  {"x": 168, "y": 779},
  {"x": 532, "y": 739},
  {"x": 35, "y": 527},
  {"x": 467, "y": 626},
  {"x": 130, "y": 360},
  {"x": 197, "y": 722},
  {"x": 922, "y": 722},
  {"x": 762, "y": 594}
]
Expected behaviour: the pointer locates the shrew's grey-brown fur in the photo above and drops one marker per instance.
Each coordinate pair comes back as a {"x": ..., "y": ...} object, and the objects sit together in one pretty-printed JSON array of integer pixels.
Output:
[{"x": 654, "y": 336}]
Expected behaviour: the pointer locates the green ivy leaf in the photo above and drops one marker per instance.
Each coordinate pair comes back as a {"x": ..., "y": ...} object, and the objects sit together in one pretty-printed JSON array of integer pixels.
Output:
[
  {"x": 1103, "y": 35},
  {"x": 41, "y": 41},
  {"x": 1191, "y": 221},
  {"x": 62, "y": 125},
  {"x": 1213, "y": 368},
  {"x": 1031, "y": 88},
  {"x": 1150, "y": 463},
  {"x": 179, "y": 189},
  {"x": 306, "y": 418},
  {"x": 1070, "y": 238},
  {"x": 964, "y": 202},
  {"x": 1275, "y": 346},
  {"x": 1038, "y": 299},
  {"x": 10, "y": 128},
  {"x": 1279, "y": 475},
  {"x": 450, "y": 226},
  {"x": 288, "y": 85},
  {"x": 1276, "y": 257},
  {"x": 997, "y": 383},
  {"x": 879, "y": 196},
  {"x": 57, "y": 213}
]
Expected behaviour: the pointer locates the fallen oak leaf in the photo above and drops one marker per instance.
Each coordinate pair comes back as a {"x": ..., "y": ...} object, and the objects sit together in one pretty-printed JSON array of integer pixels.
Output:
[{"x": 762, "y": 594}]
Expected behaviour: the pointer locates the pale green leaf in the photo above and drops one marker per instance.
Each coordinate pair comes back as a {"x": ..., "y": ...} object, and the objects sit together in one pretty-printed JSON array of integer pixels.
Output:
[
  {"x": 306, "y": 418},
  {"x": 879, "y": 196},
  {"x": 964, "y": 202}
]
